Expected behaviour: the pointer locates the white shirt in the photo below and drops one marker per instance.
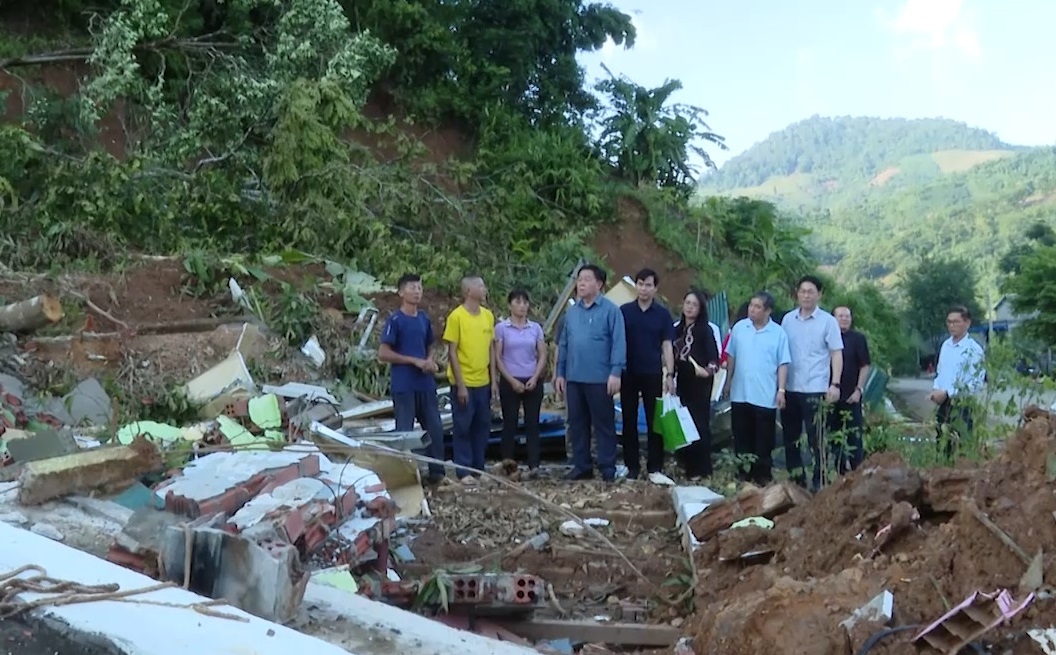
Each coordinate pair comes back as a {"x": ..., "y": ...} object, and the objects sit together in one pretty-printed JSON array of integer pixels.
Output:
[
  {"x": 960, "y": 367},
  {"x": 718, "y": 337}
]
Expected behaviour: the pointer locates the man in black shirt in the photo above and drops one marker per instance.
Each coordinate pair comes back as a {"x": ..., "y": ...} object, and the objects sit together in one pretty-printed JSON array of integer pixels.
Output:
[
  {"x": 846, "y": 416},
  {"x": 650, "y": 331}
]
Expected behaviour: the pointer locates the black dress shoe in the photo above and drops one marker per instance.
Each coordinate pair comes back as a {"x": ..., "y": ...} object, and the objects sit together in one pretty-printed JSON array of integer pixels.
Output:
[{"x": 580, "y": 475}]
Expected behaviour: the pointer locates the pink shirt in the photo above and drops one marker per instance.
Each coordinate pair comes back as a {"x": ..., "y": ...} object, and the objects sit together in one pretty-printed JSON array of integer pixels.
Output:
[{"x": 520, "y": 353}]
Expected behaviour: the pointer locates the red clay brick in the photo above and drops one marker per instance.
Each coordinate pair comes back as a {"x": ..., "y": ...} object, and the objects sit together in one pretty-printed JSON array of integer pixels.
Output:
[
  {"x": 381, "y": 507},
  {"x": 375, "y": 488},
  {"x": 315, "y": 535},
  {"x": 309, "y": 467},
  {"x": 348, "y": 502},
  {"x": 293, "y": 525}
]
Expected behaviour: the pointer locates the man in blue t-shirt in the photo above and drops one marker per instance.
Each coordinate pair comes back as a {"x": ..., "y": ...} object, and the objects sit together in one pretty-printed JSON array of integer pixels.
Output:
[{"x": 407, "y": 344}]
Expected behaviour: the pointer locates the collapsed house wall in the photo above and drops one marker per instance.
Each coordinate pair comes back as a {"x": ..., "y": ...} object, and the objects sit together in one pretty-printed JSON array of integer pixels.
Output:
[{"x": 161, "y": 622}]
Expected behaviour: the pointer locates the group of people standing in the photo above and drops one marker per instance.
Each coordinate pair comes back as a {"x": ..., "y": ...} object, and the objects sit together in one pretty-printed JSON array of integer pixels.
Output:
[
  {"x": 637, "y": 352},
  {"x": 812, "y": 368}
]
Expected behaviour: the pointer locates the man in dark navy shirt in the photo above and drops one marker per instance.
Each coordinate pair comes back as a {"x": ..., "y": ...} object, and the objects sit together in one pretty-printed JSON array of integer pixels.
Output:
[
  {"x": 407, "y": 344},
  {"x": 650, "y": 331},
  {"x": 846, "y": 416}
]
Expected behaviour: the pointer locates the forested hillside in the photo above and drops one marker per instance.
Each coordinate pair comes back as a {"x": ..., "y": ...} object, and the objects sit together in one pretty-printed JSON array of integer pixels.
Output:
[
  {"x": 832, "y": 156},
  {"x": 878, "y": 194},
  {"x": 396, "y": 135}
]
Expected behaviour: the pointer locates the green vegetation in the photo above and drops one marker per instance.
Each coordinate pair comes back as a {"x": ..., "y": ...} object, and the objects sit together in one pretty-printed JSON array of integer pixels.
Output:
[
  {"x": 880, "y": 195},
  {"x": 242, "y": 132},
  {"x": 1031, "y": 283}
]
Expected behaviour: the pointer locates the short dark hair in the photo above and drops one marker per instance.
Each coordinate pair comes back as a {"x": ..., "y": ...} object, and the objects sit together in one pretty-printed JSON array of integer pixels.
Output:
[
  {"x": 518, "y": 293},
  {"x": 406, "y": 279},
  {"x": 645, "y": 274},
  {"x": 595, "y": 270},
  {"x": 765, "y": 298},
  {"x": 960, "y": 309},
  {"x": 813, "y": 279}
]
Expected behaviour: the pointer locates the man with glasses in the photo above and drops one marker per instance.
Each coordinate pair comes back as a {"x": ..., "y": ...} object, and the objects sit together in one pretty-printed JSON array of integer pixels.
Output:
[
  {"x": 958, "y": 376},
  {"x": 817, "y": 365}
]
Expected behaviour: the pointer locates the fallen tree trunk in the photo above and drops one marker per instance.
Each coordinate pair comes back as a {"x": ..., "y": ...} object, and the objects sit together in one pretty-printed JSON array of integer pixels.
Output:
[
  {"x": 767, "y": 502},
  {"x": 29, "y": 315}
]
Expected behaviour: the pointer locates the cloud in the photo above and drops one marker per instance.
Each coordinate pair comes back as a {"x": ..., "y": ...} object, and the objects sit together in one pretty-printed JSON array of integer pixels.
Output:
[
  {"x": 935, "y": 26},
  {"x": 644, "y": 41}
]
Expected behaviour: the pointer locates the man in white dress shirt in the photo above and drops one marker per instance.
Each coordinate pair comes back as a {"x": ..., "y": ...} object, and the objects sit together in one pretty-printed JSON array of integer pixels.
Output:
[{"x": 958, "y": 376}]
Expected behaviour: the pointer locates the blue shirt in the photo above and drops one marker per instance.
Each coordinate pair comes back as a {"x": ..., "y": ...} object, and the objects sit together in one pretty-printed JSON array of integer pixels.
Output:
[
  {"x": 646, "y": 331},
  {"x": 409, "y": 336},
  {"x": 811, "y": 340},
  {"x": 756, "y": 354},
  {"x": 592, "y": 343}
]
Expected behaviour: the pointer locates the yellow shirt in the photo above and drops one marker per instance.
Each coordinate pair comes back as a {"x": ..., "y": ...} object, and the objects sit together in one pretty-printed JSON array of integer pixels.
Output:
[{"x": 472, "y": 336}]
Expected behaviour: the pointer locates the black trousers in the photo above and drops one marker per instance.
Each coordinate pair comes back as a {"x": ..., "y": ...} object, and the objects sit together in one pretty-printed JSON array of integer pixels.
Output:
[
  {"x": 754, "y": 432},
  {"x": 846, "y": 420},
  {"x": 649, "y": 388},
  {"x": 954, "y": 418},
  {"x": 801, "y": 414},
  {"x": 695, "y": 395},
  {"x": 511, "y": 403}
]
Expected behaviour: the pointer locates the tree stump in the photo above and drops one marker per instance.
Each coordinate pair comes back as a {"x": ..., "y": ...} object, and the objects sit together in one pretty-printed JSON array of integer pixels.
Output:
[{"x": 32, "y": 314}]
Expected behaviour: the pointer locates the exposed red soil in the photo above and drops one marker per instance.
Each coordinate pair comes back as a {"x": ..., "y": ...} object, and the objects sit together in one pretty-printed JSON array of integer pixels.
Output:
[
  {"x": 826, "y": 565},
  {"x": 628, "y": 246}
]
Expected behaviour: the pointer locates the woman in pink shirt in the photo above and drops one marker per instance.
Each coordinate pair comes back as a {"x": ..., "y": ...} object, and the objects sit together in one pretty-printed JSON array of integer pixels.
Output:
[{"x": 520, "y": 356}]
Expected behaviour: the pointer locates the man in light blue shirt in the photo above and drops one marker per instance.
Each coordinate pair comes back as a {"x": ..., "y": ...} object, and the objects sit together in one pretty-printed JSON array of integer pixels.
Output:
[
  {"x": 958, "y": 376},
  {"x": 757, "y": 363},
  {"x": 816, "y": 345},
  {"x": 591, "y": 356}
]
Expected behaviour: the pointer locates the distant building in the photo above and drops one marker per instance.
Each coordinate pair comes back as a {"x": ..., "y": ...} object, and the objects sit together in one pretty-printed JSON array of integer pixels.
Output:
[{"x": 1004, "y": 317}]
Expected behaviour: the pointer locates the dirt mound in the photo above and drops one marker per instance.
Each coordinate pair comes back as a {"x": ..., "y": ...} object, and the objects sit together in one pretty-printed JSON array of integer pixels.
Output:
[
  {"x": 888, "y": 526},
  {"x": 628, "y": 246}
]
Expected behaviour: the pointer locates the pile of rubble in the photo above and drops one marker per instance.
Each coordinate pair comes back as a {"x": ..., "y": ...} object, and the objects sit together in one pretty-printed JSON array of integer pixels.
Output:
[{"x": 954, "y": 556}]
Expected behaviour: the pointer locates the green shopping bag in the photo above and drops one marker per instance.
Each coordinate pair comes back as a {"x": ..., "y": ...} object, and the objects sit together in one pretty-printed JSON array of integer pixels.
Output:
[{"x": 667, "y": 425}]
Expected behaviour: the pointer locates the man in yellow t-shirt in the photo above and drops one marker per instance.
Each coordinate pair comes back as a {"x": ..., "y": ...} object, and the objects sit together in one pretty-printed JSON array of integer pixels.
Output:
[{"x": 468, "y": 334}]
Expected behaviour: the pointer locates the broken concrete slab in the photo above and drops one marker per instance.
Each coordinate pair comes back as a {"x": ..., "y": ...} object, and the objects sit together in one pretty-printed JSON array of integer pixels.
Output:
[
  {"x": 132, "y": 628},
  {"x": 12, "y": 385},
  {"x": 89, "y": 404},
  {"x": 878, "y": 610},
  {"x": 102, "y": 508},
  {"x": 225, "y": 481},
  {"x": 49, "y": 409},
  {"x": 309, "y": 392},
  {"x": 86, "y": 470},
  {"x": 368, "y": 627},
  {"x": 24, "y": 446},
  {"x": 690, "y": 501},
  {"x": 265, "y": 579}
]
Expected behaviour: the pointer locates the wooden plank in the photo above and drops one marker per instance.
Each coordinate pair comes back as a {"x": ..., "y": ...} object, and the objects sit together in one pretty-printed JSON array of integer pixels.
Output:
[
  {"x": 616, "y": 634},
  {"x": 380, "y": 407}
]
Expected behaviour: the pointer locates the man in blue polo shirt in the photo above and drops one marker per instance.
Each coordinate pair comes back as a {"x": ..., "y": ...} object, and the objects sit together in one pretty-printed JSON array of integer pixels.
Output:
[
  {"x": 407, "y": 344},
  {"x": 757, "y": 365},
  {"x": 649, "y": 332},
  {"x": 591, "y": 355}
]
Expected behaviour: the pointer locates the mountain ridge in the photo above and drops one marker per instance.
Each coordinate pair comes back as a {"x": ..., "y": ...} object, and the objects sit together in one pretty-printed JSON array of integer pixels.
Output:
[{"x": 847, "y": 148}]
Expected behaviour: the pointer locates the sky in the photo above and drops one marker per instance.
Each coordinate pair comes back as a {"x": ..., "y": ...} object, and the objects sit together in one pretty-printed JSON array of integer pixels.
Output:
[{"x": 759, "y": 65}]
